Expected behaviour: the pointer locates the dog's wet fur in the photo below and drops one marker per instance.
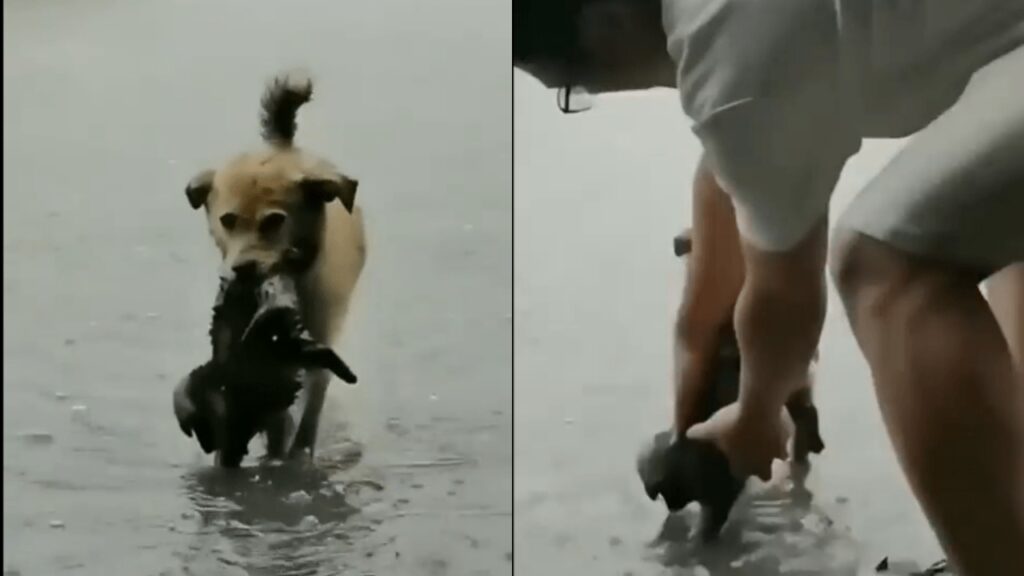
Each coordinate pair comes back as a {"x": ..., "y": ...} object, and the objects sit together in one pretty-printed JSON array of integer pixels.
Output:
[
  {"x": 682, "y": 470},
  {"x": 284, "y": 203}
]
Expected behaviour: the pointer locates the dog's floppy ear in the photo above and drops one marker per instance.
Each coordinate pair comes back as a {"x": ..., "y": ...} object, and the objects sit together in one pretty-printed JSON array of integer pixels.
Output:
[
  {"x": 326, "y": 190},
  {"x": 198, "y": 189}
]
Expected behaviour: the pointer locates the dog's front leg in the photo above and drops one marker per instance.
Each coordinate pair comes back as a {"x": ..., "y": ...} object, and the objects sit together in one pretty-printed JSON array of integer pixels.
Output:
[
  {"x": 279, "y": 429},
  {"x": 315, "y": 389}
]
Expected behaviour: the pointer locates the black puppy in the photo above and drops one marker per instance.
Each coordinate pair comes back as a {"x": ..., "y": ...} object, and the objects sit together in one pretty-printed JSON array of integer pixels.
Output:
[
  {"x": 681, "y": 470},
  {"x": 261, "y": 351}
]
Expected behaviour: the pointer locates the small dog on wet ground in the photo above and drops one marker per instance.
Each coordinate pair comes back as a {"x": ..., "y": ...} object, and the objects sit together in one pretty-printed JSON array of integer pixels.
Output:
[
  {"x": 293, "y": 247},
  {"x": 682, "y": 470}
]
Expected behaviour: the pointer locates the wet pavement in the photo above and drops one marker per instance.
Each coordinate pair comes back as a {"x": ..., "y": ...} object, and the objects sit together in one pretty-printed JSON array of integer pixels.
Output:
[
  {"x": 110, "y": 107},
  {"x": 599, "y": 197}
]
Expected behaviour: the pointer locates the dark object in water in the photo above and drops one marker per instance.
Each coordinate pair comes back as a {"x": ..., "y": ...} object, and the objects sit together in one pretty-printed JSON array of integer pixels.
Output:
[
  {"x": 682, "y": 470},
  {"x": 682, "y": 244},
  {"x": 260, "y": 353},
  {"x": 940, "y": 567}
]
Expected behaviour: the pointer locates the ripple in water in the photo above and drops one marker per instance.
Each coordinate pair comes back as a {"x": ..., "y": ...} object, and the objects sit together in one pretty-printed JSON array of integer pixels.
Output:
[
  {"x": 273, "y": 519},
  {"x": 774, "y": 531}
]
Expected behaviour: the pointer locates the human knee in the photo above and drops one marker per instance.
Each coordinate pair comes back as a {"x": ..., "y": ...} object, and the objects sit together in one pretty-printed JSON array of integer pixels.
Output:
[
  {"x": 881, "y": 283},
  {"x": 869, "y": 273},
  {"x": 849, "y": 264}
]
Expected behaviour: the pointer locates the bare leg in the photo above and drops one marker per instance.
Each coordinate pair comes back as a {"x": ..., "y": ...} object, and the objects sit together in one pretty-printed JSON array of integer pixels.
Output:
[
  {"x": 944, "y": 381},
  {"x": 714, "y": 277},
  {"x": 1006, "y": 298}
]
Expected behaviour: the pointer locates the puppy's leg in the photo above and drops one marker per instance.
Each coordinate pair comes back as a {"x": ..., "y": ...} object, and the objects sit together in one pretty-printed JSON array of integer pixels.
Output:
[
  {"x": 714, "y": 513},
  {"x": 807, "y": 436},
  {"x": 316, "y": 392}
]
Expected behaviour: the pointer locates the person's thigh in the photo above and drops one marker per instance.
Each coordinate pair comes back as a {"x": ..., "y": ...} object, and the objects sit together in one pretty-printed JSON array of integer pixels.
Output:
[{"x": 955, "y": 193}]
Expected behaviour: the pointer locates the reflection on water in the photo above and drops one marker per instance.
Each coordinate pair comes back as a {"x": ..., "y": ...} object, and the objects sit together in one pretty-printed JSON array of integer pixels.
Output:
[
  {"x": 779, "y": 529},
  {"x": 289, "y": 519}
]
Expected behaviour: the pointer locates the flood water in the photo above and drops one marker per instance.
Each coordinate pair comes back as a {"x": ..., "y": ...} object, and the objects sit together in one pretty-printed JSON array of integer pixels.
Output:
[
  {"x": 599, "y": 197},
  {"x": 110, "y": 107}
]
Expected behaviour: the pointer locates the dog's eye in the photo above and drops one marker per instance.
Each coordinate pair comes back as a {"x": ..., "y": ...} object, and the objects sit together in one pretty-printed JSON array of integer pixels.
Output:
[
  {"x": 228, "y": 220},
  {"x": 271, "y": 223}
]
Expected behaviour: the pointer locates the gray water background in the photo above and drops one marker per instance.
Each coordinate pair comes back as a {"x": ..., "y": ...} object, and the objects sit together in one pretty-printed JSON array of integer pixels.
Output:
[{"x": 110, "y": 107}]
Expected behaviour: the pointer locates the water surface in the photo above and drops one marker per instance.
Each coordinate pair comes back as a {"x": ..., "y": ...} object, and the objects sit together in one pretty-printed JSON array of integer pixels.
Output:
[{"x": 110, "y": 107}]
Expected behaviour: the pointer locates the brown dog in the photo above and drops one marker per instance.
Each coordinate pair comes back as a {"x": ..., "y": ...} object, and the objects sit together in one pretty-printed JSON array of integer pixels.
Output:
[{"x": 261, "y": 205}]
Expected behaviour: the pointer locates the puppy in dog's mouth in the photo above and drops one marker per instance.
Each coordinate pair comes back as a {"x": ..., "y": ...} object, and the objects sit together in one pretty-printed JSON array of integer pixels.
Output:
[{"x": 260, "y": 352}]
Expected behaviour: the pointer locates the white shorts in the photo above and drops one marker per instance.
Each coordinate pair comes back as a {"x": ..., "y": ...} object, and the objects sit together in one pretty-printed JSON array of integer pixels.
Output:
[{"x": 955, "y": 192}]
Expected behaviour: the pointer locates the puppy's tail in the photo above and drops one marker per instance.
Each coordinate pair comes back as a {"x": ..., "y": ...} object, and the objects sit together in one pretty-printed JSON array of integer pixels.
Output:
[{"x": 283, "y": 97}]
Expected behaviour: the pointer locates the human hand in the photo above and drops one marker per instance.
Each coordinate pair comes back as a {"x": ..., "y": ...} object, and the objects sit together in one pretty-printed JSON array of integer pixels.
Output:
[{"x": 750, "y": 440}]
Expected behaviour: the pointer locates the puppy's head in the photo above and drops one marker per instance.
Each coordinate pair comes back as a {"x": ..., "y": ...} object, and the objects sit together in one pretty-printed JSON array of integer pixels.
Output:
[
  {"x": 199, "y": 407},
  {"x": 263, "y": 207},
  {"x": 669, "y": 468},
  {"x": 682, "y": 471}
]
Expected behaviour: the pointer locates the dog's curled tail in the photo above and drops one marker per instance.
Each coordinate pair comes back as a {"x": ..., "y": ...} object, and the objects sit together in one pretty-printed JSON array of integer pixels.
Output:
[{"x": 283, "y": 97}]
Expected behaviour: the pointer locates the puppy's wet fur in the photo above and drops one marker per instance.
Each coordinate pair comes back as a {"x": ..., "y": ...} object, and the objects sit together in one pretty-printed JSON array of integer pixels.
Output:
[
  {"x": 265, "y": 206},
  {"x": 682, "y": 470}
]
